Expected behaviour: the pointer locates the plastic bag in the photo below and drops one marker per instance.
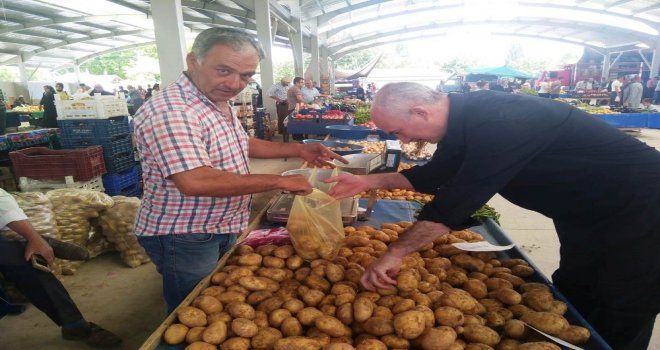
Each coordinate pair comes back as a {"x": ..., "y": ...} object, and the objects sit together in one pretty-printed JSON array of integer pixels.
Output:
[
  {"x": 315, "y": 226},
  {"x": 276, "y": 236}
]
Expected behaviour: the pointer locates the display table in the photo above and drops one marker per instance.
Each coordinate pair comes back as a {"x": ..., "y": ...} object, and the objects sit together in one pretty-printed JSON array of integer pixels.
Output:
[
  {"x": 29, "y": 138},
  {"x": 315, "y": 125},
  {"x": 14, "y": 118},
  {"x": 632, "y": 120}
]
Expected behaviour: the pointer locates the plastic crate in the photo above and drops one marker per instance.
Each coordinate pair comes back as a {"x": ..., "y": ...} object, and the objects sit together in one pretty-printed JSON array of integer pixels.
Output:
[
  {"x": 115, "y": 182},
  {"x": 119, "y": 162},
  {"x": 96, "y": 107},
  {"x": 111, "y": 145},
  {"x": 94, "y": 128},
  {"x": 31, "y": 185},
  {"x": 133, "y": 190},
  {"x": 42, "y": 163}
]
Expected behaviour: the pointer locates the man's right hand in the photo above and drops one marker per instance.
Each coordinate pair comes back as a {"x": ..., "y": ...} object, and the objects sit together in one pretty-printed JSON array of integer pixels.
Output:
[
  {"x": 347, "y": 185},
  {"x": 296, "y": 184}
]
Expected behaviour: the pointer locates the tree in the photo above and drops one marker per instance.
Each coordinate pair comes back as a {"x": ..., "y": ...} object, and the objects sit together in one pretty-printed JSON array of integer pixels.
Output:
[
  {"x": 515, "y": 55},
  {"x": 284, "y": 69},
  {"x": 355, "y": 60},
  {"x": 8, "y": 75},
  {"x": 112, "y": 63},
  {"x": 149, "y": 51},
  {"x": 458, "y": 65}
]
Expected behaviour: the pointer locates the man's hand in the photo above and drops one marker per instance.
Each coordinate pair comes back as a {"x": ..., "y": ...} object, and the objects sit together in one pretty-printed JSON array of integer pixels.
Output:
[
  {"x": 319, "y": 155},
  {"x": 296, "y": 184},
  {"x": 39, "y": 246},
  {"x": 382, "y": 273},
  {"x": 347, "y": 185}
]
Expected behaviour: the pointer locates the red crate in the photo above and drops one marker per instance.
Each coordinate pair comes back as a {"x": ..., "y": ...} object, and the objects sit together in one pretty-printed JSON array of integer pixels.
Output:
[{"x": 42, "y": 163}]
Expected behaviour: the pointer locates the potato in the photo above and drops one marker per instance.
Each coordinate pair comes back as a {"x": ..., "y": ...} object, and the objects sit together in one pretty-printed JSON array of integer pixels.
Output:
[
  {"x": 437, "y": 338},
  {"x": 345, "y": 298},
  {"x": 191, "y": 316},
  {"x": 244, "y": 328},
  {"x": 508, "y": 296},
  {"x": 467, "y": 262},
  {"x": 200, "y": 345},
  {"x": 334, "y": 273},
  {"x": 215, "y": 333},
  {"x": 293, "y": 305},
  {"x": 547, "y": 322},
  {"x": 208, "y": 304},
  {"x": 558, "y": 307},
  {"x": 477, "y": 346},
  {"x": 515, "y": 329},
  {"x": 476, "y": 288},
  {"x": 495, "y": 283},
  {"x": 407, "y": 281},
  {"x": 266, "y": 338},
  {"x": 294, "y": 262},
  {"x": 542, "y": 345},
  {"x": 254, "y": 283},
  {"x": 362, "y": 309},
  {"x": 522, "y": 271},
  {"x": 270, "y": 304},
  {"x": 260, "y": 319},
  {"x": 219, "y": 277},
  {"x": 273, "y": 262},
  {"x": 250, "y": 259},
  {"x": 276, "y": 274},
  {"x": 256, "y": 297},
  {"x": 574, "y": 334},
  {"x": 459, "y": 299},
  {"x": 194, "y": 334},
  {"x": 382, "y": 311},
  {"x": 231, "y": 297},
  {"x": 236, "y": 343},
  {"x": 330, "y": 326},
  {"x": 409, "y": 324},
  {"x": 494, "y": 319},
  {"x": 403, "y": 305},
  {"x": 532, "y": 286},
  {"x": 213, "y": 291},
  {"x": 298, "y": 343},
  {"x": 265, "y": 250},
  {"x": 317, "y": 282},
  {"x": 449, "y": 316},
  {"x": 283, "y": 252},
  {"x": 338, "y": 346},
  {"x": 519, "y": 309},
  {"x": 175, "y": 333},
  {"x": 308, "y": 315},
  {"x": 312, "y": 297},
  {"x": 241, "y": 310},
  {"x": 395, "y": 342},
  {"x": 237, "y": 288},
  {"x": 481, "y": 334},
  {"x": 538, "y": 300},
  {"x": 277, "y": 316},
  {"x": 290, "y": 326},
  {"x": 379, "y": 326},
  {"x": 371, "y": 344},
  {"x": 219, "y": 317}
]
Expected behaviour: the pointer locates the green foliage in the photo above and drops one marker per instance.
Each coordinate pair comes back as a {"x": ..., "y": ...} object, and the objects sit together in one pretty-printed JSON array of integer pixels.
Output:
[
  {"x": 284, "y": 69},
  {"x": 8, "y": 75},
  {"x": 516, "y": 59},
  {"x": 458, "y": 65},
  {"x": 149, "y": 51},
  {"x": 112, "y": 63},
  {"x": 528, "y": 91},
  {"x": 362, "y": 115},
  {"x": 355, "y": 60}
]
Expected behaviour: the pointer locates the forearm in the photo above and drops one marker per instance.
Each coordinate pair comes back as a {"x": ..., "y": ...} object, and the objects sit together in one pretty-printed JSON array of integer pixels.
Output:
[
  {"x": 420, "y": 234},
  {"x": 265, "y": 149},
  {"x": 25, "y": 229},
  {"x": 389, "y": 181},
  {"x": 210, "y": 182}
]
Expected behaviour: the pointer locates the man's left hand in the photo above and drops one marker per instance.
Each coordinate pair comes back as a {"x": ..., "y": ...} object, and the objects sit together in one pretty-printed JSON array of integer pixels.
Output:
[
  {"x": 41, "y": 247},
  {"x": 319, "y": 155}
]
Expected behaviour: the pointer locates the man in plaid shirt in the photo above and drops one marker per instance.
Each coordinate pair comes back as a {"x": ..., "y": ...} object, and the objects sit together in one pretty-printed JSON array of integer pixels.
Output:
[{"x": 194, "y": 151}]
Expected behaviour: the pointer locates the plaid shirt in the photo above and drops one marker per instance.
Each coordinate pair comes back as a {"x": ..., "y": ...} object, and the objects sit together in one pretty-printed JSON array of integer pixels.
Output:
[{"x": 177, "y": 130}]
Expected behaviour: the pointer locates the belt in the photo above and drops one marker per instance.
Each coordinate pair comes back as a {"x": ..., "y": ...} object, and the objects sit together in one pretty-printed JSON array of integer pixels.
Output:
[{"x": 283, "y": 102}]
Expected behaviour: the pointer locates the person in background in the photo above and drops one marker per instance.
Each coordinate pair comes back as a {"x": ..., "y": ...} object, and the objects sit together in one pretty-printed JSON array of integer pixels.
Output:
[
  {"x": 278, "y": 92},
  {"x": 82, "y": 88},
  {"x": 148, "y": 94},
  {"x": 544, "y": 88},
  {"x": 309, "y": 92},
  {"x": 483, "y": 85},
  {"x": 656, "y": 93},
  {"x": 134, "y": 98},
  {"x": 294, "y": 94},
  {"x": 359, "y": 93},
  {"x": 466, "y": 88},
  {"x": 47, "y": 104},
  {"x": 155, "y": 89},
  {"x": 538, "y": 156},
  {"x": 59, "y": 91},
  {"x": 615, "y": 95},
  {"x": 555, "y": 85},
  {"x": 440, "y": 87},
  {"x": 124, "y": 92},
  {"x": 42, "y": 288},
  {"x": 648, "y": 105},
  {"x": 632, "y": 94},
  {"x": 98, "y": 90},
  {"x": 195, "y": 161},
  {"x": 20, "y": 102},
  {"x": 649, "y": 87}
]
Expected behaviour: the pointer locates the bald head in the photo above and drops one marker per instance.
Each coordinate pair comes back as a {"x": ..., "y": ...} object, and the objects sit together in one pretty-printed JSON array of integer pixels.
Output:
[{"x": 398, "y": 99}]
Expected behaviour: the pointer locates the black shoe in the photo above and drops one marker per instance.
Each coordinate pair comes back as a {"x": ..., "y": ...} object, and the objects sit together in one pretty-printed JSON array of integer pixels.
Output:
[
  {"x": 66, "y": 250},
  {"x": 93, "y": 335}
]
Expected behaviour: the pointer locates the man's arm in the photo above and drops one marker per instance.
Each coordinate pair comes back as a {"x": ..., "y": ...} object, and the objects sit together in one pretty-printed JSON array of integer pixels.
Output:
[
  {"x": 315, "y": 154},
  {"x": 13, "y": 217},
  {"x": 420, "y": 234}
]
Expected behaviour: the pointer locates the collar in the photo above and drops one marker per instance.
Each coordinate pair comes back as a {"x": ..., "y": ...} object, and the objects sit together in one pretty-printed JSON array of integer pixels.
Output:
[{"x": 185, "y": 80}]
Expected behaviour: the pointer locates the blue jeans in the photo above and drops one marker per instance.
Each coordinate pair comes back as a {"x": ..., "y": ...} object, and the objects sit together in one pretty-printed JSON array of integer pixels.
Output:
[{"x": 184, "y": 260}]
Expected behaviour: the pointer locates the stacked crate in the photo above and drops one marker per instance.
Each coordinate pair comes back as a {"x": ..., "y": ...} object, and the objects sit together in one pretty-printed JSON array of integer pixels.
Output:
[{"x": 111, "y": 131}]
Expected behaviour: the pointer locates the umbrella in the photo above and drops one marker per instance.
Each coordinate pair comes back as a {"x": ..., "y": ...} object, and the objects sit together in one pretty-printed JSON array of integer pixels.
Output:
[{"x": 502, "y": 71}]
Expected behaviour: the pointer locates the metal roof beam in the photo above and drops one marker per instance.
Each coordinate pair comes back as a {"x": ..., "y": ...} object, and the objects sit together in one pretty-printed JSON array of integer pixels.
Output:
[
  {"x": 49, "y": 22},
  {"x": 31, "y": 54},
  {"x": 617, "y": 3},
  {"x": 329, "y": 15},
  {"x": 591, "y": 11},
  {"x": 646, "y": 9},
  {"x": 244, "y": 13}
]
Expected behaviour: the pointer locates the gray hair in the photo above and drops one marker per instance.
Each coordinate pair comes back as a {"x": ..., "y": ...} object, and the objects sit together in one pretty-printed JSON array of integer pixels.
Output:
[
  {"x": 398, "y": 98},
  {"x": 236, "y": 38}
]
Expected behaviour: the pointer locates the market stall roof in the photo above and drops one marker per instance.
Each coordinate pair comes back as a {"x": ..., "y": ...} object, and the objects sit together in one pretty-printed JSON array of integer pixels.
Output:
[
  {"x": 502, "y": 71},
  {"x": 53, "y": 33}
]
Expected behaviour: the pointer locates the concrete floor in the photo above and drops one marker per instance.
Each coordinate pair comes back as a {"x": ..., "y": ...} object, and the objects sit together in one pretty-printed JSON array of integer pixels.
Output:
[{"x": 128, "y": 301}]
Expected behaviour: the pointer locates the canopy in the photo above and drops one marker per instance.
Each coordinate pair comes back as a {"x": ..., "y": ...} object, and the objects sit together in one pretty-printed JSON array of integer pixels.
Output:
[{"x": 502, "y": 71}]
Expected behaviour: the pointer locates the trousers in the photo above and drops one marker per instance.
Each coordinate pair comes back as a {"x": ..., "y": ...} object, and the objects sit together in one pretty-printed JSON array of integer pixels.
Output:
[
  {"x": 614, "y": 287},
  {"x": 41, "y": 288},
  {"x": 184, "y": 260}
]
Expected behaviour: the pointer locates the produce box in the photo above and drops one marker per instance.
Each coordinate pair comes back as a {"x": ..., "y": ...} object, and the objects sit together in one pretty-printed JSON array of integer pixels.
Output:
[
  {"x": 94, "y": 128},
  {"x": 31, "y": 185},
  {"x": 96, "y": 107},
  {"x": 41, "y": 163},
  {"x": 116, "y": 184},
  {"x": 409, "y": 321}
]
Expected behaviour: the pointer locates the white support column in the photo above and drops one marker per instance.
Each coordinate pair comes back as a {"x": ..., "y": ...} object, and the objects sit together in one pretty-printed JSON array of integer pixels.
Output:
[
  {"x": 295, "y": 36},
  {"x": 324, "y": 71},
  {"x": 655, "y": 63},
  {"x": 314, "y": 69},
  {"x": 262, "y": 16},
  {"x": 170, "y": 39},
  {"x": 76, "y": 70},
  {"x": 21, "y": 71},
  {"x": 606, "y": 66}
]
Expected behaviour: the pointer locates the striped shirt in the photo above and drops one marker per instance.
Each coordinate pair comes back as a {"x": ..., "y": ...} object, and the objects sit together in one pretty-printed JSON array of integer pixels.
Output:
[
  {"x": 178, "y": 130},
  {"x": 279, "y": 91}
]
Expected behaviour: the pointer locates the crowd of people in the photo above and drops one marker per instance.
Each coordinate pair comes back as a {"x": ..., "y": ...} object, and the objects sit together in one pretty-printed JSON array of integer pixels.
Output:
[{"x": 287, "y": 96}]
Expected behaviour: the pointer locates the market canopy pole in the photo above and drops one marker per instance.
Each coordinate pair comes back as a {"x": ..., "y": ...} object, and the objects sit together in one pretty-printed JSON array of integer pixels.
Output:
[
  {"x": 313, "y": 69},
  {"x": 296, "y": 36},
  {"x": 262, "y": 16},
  {"x": 655, "y": 63},
  {"x": 170, "y": 39}
]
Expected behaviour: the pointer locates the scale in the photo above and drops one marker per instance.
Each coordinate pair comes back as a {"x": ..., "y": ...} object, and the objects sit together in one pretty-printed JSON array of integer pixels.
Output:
[{"x": 364, "y": 164}]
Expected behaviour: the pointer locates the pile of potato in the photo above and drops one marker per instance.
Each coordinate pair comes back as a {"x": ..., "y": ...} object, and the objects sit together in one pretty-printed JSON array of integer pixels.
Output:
[
  {"x": 418, "y": 150},
  {"x": 39, "y": 210},
  {"x": 400, "y": 194},
  {"x": 117, "y": 223},
  {"x": 270, "y": 298},
  {"x": 73, "y": 209},
  {"x": 376, "y": 147}
]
